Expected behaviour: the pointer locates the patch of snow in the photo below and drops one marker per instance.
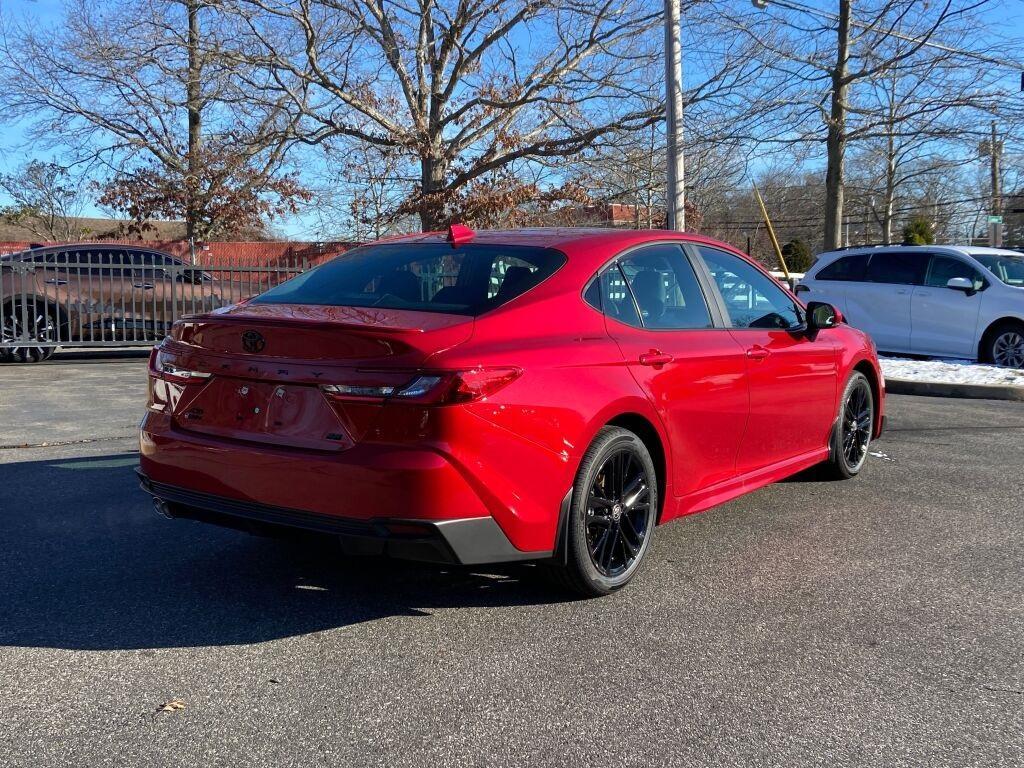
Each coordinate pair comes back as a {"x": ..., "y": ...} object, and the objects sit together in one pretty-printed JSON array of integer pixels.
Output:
[{"x": 950, "y": 372}]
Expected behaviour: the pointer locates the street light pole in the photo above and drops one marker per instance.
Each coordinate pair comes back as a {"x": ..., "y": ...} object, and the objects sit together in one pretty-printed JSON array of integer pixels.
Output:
[{"x": 675, "y": 202}]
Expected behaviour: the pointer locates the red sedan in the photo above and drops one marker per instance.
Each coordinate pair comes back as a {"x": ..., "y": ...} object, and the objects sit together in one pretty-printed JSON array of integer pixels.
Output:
[{"x": 546, "y": 395}]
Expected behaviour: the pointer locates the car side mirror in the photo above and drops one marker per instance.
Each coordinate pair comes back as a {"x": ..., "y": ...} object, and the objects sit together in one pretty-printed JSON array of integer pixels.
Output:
[
  {"x": 821, "y": 315},
  {"x": 964, "y": 284}
]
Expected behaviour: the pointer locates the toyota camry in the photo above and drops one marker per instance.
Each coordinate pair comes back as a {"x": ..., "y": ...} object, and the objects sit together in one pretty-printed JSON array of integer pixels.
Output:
[{"x": 478, "y": 397}]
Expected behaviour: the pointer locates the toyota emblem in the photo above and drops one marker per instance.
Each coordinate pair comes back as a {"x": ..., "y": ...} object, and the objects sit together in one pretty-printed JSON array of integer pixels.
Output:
[{"x": 253, "y": 341}]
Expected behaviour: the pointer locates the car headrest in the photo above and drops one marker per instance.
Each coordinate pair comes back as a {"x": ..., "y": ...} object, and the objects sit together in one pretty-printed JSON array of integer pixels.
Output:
[
  {"x": 517, "y": 280},
  {"x": 451, "y": 294},
  {"x": 401, "y": 283}
]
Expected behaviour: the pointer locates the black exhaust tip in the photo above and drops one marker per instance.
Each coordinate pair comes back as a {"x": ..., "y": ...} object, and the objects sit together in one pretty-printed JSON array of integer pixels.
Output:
[{"x": 162, "y": 508}]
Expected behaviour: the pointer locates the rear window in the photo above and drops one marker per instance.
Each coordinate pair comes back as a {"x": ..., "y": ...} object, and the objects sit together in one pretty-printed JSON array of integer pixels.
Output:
[
  {"x": 846, "y": 269},
  {"x": 431, "y": 277}
]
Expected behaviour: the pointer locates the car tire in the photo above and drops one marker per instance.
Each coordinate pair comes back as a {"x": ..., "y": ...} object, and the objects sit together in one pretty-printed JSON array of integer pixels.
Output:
[
  {"x": 45, "y": 330},
  {"x": 1004, "y": 345},
  {"x": 611, "y": 517},
  {"x": 851, "y": 433}
]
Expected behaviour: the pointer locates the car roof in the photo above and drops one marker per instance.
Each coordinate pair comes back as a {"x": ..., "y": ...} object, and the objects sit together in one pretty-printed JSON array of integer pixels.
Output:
[
  {"x": 87, "y": 245},
  {"x": 586, "y": 247},
  {"x": 965, "y": 250},
  {"x": 977, "y": 250},
  {"x": 556, "y": 237}
]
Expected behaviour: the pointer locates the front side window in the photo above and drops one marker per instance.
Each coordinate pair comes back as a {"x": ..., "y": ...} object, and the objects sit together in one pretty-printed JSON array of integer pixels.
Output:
[
  {"x": 148, "y": 266},
  {"x": 752, "y": 299},
  {"x": 430, "y": 277},
  {"x": 945, "y": 268},
  {"x": 847, "y": 269},
  {"x": 1007, "y": 267},
  {"x": 103, "y": 262},
  {"x": 898, "y": 267}
]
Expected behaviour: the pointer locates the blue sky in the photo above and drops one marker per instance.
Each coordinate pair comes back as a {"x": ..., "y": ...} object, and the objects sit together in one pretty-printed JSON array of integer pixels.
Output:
[{"x": 1006, "y": 20}]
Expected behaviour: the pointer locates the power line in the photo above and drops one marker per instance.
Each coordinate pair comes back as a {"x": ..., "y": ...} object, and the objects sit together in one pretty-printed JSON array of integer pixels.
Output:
[
  {"x": 795, "y": 6},
  {"x": 807, "y": 221}
]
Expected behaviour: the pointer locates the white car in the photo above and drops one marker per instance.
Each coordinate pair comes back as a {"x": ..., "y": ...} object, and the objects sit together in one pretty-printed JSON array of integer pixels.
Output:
[{"x": 943, "y": 301}]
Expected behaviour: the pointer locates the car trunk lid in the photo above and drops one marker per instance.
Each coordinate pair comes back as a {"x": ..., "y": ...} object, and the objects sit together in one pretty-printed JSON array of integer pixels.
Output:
[
  {"x": 349, "y": 335},
  {"x": 261, "y": 369}
]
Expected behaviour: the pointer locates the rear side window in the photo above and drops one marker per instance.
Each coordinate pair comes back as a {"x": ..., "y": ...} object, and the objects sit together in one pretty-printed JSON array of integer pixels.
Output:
[
  {"x": 665, "y": 288},
  {"x": 104, "y": 262},
  {"x": 901, "y": 267},
  {"x": 430, "y": 277},
  {"x": 610, "y": 294},
  {"x": 846, "y": 269}
]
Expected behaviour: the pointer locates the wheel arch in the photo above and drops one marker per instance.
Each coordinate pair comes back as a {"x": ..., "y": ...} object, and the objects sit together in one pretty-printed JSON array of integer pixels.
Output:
[
  {"x": 642, "y": 427},
  {"x": 986, "y": 337},
  {"x": 646, "y": 427},
  {"x": 871, "y": 373},
  {"x": 63, "y": 319}
]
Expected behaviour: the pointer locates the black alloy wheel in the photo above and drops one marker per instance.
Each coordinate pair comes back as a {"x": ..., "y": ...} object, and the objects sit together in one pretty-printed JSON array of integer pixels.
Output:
[
  {"x": 41, "y": 326},
  {"x": 851, "y": 434},
  {"x": 612, "y": 515},
  {"x": 617, "y": 513}
]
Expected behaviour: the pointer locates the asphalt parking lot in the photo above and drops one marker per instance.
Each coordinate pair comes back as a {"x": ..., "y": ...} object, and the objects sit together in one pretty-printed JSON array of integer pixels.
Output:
[{"x": 877, "y": 622}]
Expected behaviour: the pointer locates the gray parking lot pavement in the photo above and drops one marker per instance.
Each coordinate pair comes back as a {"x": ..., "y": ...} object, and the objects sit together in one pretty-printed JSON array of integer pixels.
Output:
[{"x": 873, "y": 622}]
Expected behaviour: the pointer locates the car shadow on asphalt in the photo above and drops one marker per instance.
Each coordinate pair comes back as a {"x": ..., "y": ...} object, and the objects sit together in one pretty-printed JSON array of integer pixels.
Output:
[{"x": 86, "y": 564}]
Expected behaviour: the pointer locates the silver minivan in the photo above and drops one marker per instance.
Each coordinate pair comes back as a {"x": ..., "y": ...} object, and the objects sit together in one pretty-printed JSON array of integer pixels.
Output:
[{"x": 942, "y": 301}]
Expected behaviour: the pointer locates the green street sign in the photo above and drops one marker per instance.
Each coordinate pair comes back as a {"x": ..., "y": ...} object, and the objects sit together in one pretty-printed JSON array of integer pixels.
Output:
[{"x": 995, "y": 219}]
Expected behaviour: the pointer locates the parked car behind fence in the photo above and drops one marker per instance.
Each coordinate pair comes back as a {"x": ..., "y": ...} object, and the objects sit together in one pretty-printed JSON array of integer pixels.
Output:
[{"x": 95, "y": 294}]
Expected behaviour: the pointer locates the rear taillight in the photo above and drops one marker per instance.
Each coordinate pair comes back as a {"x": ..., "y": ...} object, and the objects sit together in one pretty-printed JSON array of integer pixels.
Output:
[
  {"x": 434, "y": 388},
  {"x": 478, "y": 383},
  {"x": 160, "y": 368}
]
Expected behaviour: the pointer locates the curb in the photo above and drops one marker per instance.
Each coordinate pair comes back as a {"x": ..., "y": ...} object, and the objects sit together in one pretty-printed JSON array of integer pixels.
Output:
[{"x": 941, "y": 389}]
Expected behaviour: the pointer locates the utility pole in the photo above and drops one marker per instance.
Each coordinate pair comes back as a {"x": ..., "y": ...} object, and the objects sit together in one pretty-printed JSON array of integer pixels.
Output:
[
  {"x": 193, "y": 102},
  {"x": 675, "y": 197},
  {"x": 995, "y": 226},
  {"x": 835, "y": 141},
  {"x": 867, "y": 220}
]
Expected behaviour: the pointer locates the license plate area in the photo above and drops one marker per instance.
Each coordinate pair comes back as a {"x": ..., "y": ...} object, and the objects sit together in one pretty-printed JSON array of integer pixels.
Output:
[{"x": 280, "y": 414}]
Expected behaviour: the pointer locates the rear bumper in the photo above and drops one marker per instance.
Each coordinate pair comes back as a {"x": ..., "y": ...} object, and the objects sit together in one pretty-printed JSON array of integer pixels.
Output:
[{"x": 465, "y": 541}]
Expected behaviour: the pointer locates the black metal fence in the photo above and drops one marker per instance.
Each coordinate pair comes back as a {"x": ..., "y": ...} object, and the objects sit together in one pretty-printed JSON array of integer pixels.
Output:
[{"x": 109, "y": 296}]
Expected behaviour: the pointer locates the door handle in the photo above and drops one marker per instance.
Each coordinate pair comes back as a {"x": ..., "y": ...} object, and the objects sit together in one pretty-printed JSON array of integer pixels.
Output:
[
  {"x": 55, "y": 281},
  {"x": 654, "y": 357},
  {"x": 901, "y": 291},
  {"x": 143, "y": 286},
  {"x": 758, "y": 353},
  {"x": 924, "y": 293}
]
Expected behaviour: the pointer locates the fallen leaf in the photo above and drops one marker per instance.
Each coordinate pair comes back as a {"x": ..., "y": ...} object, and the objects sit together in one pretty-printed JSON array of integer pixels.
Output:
[{"x": 171, "y": 706}]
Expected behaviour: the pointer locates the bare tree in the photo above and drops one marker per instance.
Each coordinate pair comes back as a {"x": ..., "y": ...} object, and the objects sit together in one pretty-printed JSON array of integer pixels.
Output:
[
  {"x": 727, "y": 102},
  {"x": 468, "y": 88},
  {"x": 363, "y": 189},
  {"x": 835, "y": 59},
  {"x": 925, "y": 115},
  {"x": 152, "y": 88},
  {"x": 46, "y": 200}
]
